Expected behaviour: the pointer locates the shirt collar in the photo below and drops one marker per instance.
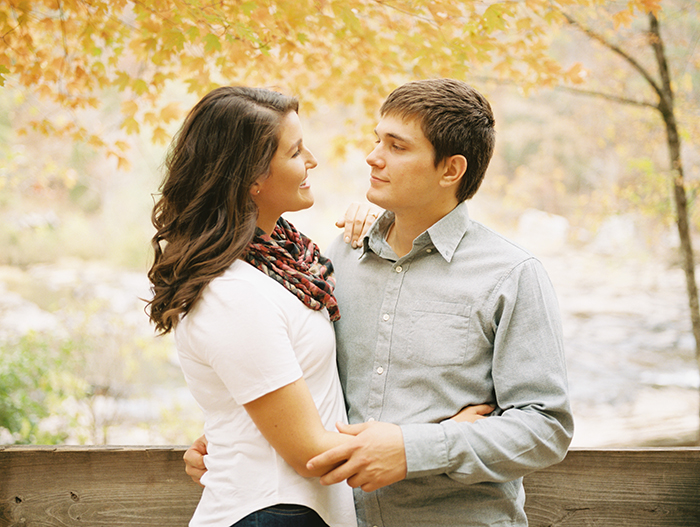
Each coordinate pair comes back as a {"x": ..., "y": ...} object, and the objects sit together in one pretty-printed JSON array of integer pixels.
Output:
[{"x": 444, "y": 235}]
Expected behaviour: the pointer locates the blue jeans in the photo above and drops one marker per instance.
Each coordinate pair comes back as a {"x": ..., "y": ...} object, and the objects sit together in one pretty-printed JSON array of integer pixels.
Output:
[{"x": 282, "y": 515}]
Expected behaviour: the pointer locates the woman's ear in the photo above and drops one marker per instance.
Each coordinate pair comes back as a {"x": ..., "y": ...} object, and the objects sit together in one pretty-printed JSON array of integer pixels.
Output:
[
  {"x": 255, "y": 189},
  {"x": 455, "y": 168}
]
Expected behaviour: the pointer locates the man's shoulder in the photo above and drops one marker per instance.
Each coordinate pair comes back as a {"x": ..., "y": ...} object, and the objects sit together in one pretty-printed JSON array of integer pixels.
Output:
[
  {"x": 483, "y": 238},
  {"x": 339, "y": 250}
]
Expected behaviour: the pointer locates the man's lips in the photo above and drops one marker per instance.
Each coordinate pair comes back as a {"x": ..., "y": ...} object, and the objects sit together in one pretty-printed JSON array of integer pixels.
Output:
[{"x": 377, "y": 179}]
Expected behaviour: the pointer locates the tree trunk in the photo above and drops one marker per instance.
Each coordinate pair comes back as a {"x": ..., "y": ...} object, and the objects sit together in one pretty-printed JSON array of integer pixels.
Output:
[{"x": 674, "y": 148}]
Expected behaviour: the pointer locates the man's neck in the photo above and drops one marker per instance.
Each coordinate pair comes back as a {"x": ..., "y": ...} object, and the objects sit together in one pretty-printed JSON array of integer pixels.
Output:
[{"x": 407, "y": 227}]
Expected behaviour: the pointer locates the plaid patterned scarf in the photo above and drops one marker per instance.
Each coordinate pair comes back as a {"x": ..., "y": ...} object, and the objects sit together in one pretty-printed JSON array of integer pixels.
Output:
[{"x": 295, "y": 262}]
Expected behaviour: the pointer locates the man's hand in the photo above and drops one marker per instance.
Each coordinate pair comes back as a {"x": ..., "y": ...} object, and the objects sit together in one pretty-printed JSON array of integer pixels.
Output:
[
  {"x": 473, "y": 413},
  {"x": 194, "y": 460},
  {"x": 373, "y": 459},
  {"x": 357, "y": 220}
]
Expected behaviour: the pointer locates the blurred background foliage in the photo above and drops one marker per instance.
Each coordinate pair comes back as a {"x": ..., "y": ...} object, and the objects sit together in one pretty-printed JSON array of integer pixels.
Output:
[{"x": 93, "y": 91}]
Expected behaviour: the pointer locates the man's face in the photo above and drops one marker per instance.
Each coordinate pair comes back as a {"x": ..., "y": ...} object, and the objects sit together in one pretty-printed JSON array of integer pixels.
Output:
[{"x": 403, "y": 177}]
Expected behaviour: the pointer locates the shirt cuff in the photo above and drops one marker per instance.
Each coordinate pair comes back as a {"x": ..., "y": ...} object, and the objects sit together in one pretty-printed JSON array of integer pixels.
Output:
[{"x": 426, "y": 449}]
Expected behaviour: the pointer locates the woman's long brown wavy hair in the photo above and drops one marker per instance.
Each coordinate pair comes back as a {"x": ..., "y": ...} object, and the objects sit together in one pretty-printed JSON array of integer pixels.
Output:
[{"x": 205, "y": 216}]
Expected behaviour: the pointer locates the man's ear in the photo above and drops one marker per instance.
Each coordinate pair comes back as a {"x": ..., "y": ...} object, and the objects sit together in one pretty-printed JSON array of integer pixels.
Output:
[{"x": 454, "y": 169}]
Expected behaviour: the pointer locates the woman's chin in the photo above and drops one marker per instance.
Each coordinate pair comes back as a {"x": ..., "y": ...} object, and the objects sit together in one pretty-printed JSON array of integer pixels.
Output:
[{"x": 306, "y": 200}]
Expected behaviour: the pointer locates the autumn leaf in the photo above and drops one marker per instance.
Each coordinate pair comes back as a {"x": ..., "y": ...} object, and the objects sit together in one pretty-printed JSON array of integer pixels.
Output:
[
  {"x": 171, "y": 112},
  {"x": 3, "y": 71},
  {"x": 622, "y": 18}
]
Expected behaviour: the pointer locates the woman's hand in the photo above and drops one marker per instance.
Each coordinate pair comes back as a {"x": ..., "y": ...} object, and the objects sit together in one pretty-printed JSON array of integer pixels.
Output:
[
  {"x": 194, "y": 460},
  {"x": 470, "y": 414},
  {"x": 357, "y": 220}
]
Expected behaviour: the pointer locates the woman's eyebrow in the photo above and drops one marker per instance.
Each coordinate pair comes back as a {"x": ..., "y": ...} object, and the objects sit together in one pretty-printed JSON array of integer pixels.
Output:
[{"x": 295, "y": 146}]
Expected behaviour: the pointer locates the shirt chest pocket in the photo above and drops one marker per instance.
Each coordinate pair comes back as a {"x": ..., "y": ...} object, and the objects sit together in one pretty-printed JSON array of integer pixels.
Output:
[{"x": 439, "y": 334}]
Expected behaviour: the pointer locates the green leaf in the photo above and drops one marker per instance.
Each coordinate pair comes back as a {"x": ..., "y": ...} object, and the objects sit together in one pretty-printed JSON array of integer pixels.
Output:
[
  {"x": 493, "y": 18},
  {"x": 248, "y": 7},
  {"x": 211, "y": 43}
]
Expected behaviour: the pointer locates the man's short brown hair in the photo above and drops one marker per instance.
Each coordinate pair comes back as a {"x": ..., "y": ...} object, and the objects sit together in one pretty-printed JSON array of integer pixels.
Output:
[{"x": 455, "y": 118}]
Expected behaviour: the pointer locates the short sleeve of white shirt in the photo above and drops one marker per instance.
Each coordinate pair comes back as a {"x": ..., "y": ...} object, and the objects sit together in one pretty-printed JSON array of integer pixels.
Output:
[{"x": 241, "y": 334}]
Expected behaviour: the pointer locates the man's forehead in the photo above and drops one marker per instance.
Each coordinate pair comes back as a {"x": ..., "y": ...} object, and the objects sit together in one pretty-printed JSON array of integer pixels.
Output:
[{"x": 397, "y": 125}]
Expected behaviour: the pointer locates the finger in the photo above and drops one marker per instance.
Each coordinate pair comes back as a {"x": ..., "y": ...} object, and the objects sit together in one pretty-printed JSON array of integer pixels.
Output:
[
  {"x": 352, "y": 430},
  {"x": 329, "y": 458},
  {"x": 357, "y": 481},
  {"x": 358, "y": 225},
  {"x": 343, "y": 472},
  {"x": 371, "y": 218},
  {"x": 194, "y": 459},
  {"x": 483, "y": 409},
  {"x": 350, "y": 216},
  {"x": 195, "y": 473},
  {"x": 373, "y": 212}
]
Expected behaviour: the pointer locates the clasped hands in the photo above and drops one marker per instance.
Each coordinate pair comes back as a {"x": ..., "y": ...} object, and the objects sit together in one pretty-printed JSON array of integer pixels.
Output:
[{"x": 373, "y": 458}]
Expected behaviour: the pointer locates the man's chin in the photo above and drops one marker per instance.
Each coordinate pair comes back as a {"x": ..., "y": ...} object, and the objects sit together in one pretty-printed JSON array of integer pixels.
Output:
[{"x": 374, "y": 199}]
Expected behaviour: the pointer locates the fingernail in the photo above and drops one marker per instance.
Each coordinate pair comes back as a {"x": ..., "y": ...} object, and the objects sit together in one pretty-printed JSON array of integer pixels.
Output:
[{"x": 347, "y": 239}]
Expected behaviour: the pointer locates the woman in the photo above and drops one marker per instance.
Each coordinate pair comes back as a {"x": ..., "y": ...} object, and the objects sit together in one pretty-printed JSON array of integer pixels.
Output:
[{"x": 250, "y": 300}]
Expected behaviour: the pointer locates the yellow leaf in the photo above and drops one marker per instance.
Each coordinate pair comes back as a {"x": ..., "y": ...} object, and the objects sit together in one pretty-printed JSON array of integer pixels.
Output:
[
  {"x": 130, "y": 125},
  {"x": 622, "y": 18},
  {"x": 576, "y": 73},
  {"x": 171, "y": 112},
  {"x": 129, "y": 108},
  {"x": 140, "y": 87},
  {"x": 160, "y": 136},
  {"x": 123, "y": 163},
  {"x": 121, "y": 145}
]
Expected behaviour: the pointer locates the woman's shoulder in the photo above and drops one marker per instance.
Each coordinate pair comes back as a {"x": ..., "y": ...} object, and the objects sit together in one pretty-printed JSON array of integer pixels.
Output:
[
  {"x": 239, "y": 295},
  {"x": 240, "y": 283}
]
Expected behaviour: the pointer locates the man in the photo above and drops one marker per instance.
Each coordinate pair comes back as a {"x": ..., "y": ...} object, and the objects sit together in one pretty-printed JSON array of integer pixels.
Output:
[{"x": 439, "y": 313}]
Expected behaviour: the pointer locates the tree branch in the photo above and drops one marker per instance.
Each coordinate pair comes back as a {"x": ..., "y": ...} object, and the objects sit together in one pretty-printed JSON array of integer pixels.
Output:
[
  {"x": 616, "y": 49},
  {"x": 609, "y": 97},
  {"x": 577, "y": 91},
  {"x": 658, "y": 47}
]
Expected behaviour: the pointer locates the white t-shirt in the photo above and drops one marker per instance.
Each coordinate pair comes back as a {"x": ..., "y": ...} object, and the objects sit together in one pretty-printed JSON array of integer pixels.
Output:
[{"x": 248, "y": 336}]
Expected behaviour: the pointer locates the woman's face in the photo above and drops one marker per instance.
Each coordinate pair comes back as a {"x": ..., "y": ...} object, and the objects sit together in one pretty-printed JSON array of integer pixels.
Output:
[{"x": 286, "y": 187}]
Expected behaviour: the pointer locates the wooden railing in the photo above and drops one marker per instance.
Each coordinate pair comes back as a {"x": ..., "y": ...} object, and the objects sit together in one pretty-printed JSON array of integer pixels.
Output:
[{"x": 147, "y": 487}]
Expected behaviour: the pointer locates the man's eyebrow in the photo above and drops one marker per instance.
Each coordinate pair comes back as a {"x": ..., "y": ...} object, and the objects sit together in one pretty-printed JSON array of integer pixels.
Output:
[{"x": 397, "y": 137}]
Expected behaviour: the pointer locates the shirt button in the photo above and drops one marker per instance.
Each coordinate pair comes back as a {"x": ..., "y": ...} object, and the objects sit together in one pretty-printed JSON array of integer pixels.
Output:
[
  {"x": 370, "y": 419},
  {"x": 428, "y": 250},
  {"x": 399, "y": 268},
  {"x": 385, "y": 317},
  {"x": 380, "y": 370}
]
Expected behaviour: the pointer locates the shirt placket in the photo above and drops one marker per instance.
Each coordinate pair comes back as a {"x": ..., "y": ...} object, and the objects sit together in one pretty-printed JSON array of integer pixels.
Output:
[{"x": 381, "y": 367}]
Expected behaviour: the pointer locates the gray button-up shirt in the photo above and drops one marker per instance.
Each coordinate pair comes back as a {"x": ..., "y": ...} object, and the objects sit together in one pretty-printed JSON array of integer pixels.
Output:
[{"x": 466, "y": 317}]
